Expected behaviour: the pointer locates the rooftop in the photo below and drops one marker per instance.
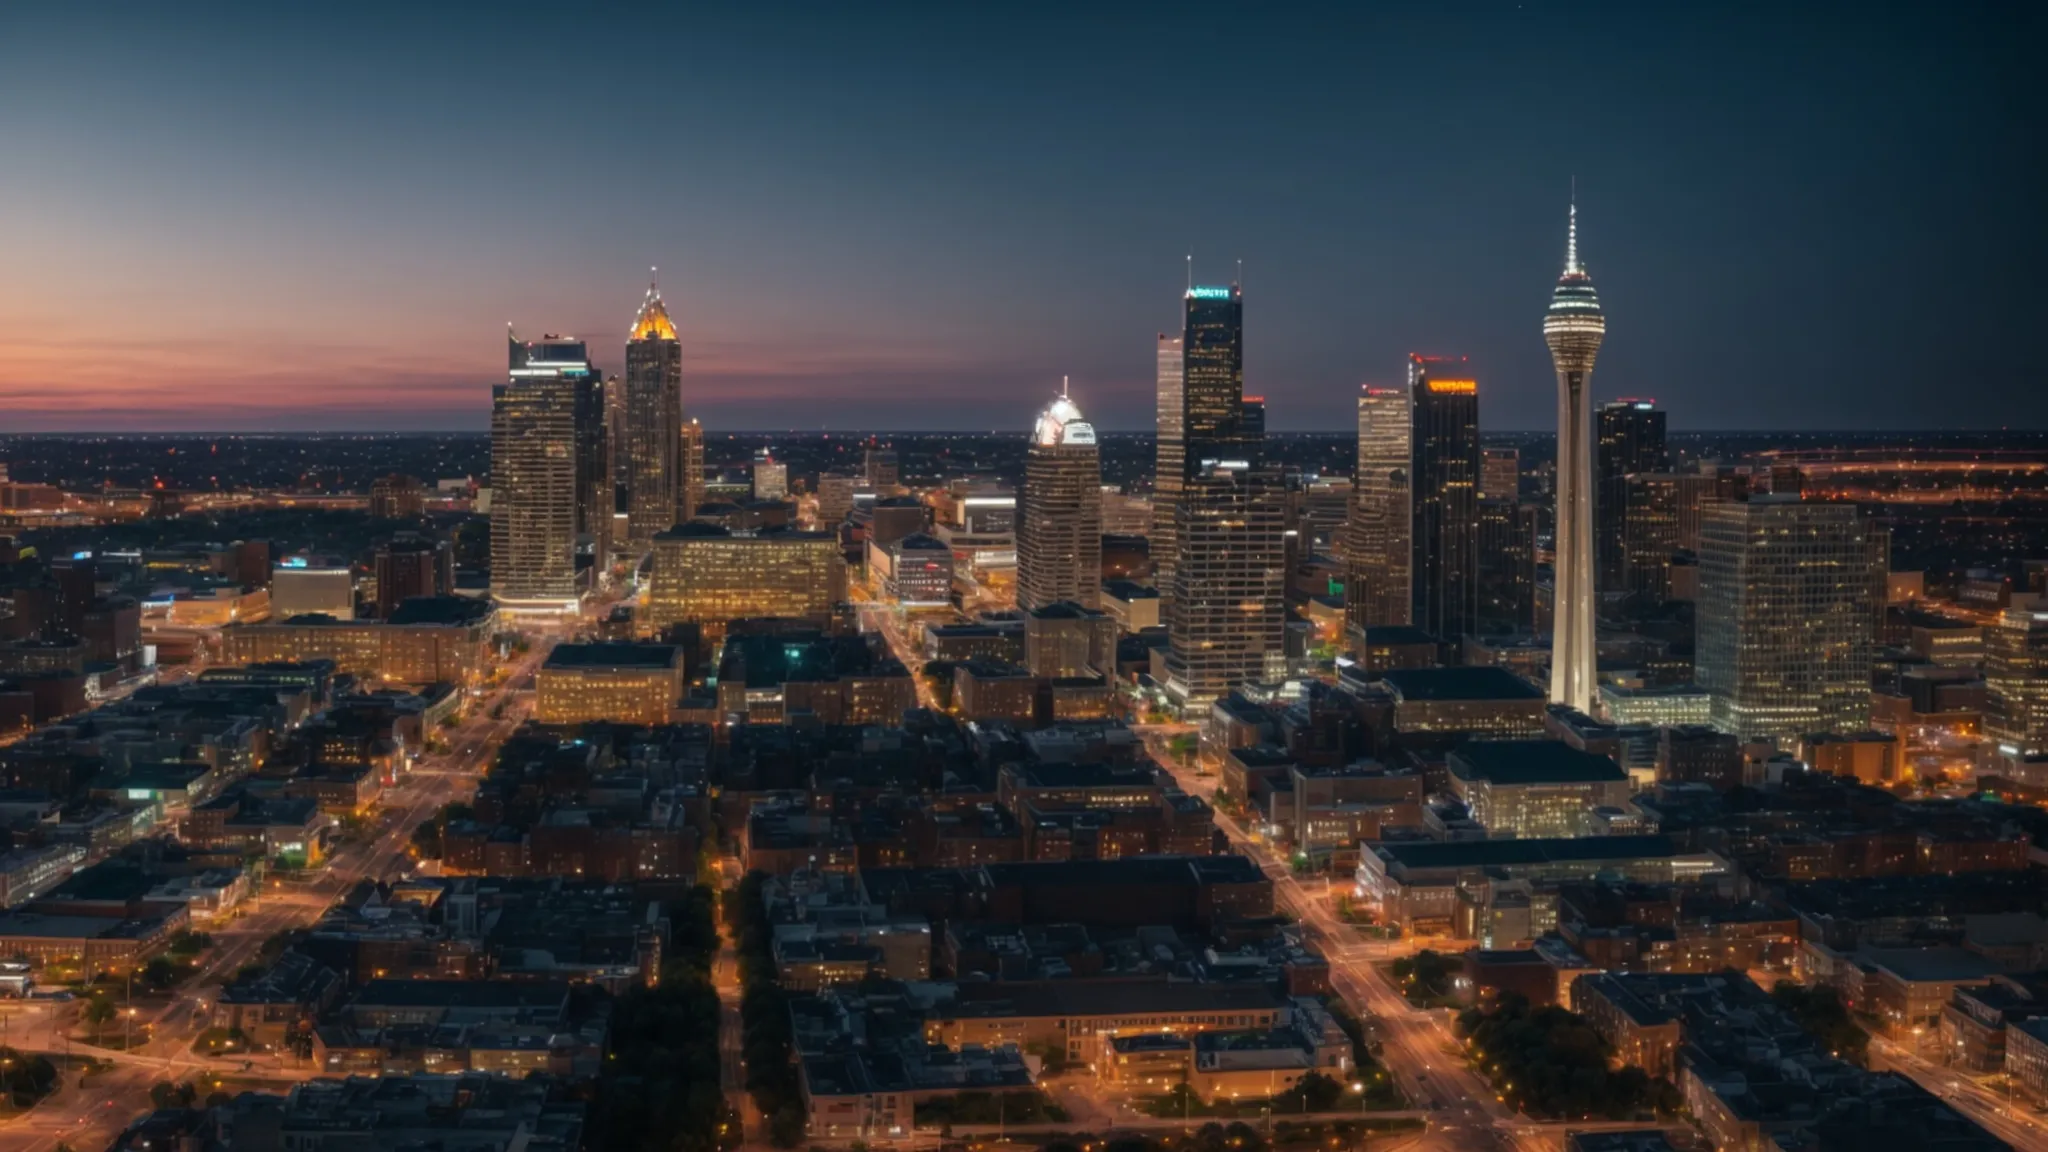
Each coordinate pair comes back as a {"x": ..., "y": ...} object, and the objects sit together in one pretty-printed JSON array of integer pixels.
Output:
[
  {"x": 614, "y": 654},
  {"x": 1431, "y": 684},
  {"x": 1532, "y": 762},
  {"x": 1500, "y": 853}
]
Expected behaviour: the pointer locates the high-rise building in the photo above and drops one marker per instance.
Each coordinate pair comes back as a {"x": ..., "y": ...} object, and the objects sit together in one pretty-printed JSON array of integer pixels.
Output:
[
  {"x": 706, "y": 575},
  {"x": 835, "y": 498},
  {"x": 1500, "y": 473},
  {"x": 1059, "y": 534},
  {"x": 1444, "y": 495},
  {"x": 408, "y": 566},
  {"x": 1377, "y": 549},
  {"x": 1787, "y": 616},
  {"x": 883, "y": 471},
  {"x": 653, "y": 424},
  {"x": 534, "y": 475},
  {"x": 1206, "y": 398},
  {"x": 691, "y": 486},
  {"x": 1573, "y": 328},
  {"x": 1228, "y": 621},
  {"x": 1630, "y": 441},
  {"x": 2016, "y": 687},
  {"x": 1660, "y": 518},
  {"x": 1170, "y": 461},
  {"x": 596, "y": 498},
  {"x": 1506, "y": 556},
  {"x": 771, "y": 476}
]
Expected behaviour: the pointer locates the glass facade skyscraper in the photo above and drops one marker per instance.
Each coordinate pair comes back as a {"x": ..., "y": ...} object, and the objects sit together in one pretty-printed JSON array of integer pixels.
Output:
[
  {"x": 1059, "y": 530},
  {"x": 1788, "y": 601},
  {"x": 1629, "y": 441},
  {"x": 1376, "y": 549},
  {"x": 536, "y": 473},
  {"x": 1444, "y": 496},
  {"x": 653, "y": 424}
]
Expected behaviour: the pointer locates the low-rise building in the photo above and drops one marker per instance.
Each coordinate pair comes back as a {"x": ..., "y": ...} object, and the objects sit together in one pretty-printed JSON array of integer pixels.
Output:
[{"x": 621, "y": 683}]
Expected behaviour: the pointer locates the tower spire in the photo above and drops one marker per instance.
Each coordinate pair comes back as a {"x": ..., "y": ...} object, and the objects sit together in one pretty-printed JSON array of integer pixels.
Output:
[
  {"x": 1571, "y": 235},
  {"x": 1063, "y": 388}
]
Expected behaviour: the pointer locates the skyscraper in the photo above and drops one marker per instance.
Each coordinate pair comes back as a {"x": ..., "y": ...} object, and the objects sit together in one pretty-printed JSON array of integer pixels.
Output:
[
  {"x": 1059, "y": 534},
  {"x": 1629, "y": 438},
  {"x": 1228, "y": 622},
  {"x": 1787, "y": 616},
  {"x": 596, "y": 498},
  {"x": 1169, "y": 459},
  {"x": 2016, "y": 689},
  {"x": 690, "y": 481},
  {"x": 1573, "y": 327},
  {"x": 1376, "y": 554},
  {"x": 653, "y": 424},
  {"x": 771, "y": 476},
  {"x": 1505, "y": 556},
  {"x": 1444, "y": 495},
  {"x": 1500, "y": 474},
  {"x": 535, "y": 475}
]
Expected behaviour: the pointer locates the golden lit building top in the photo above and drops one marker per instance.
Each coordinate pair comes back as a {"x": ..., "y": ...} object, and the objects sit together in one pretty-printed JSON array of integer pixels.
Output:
[{"x": 652, "y": 322}]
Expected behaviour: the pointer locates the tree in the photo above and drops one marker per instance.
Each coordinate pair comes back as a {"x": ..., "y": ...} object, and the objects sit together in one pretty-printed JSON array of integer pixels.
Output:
[
  {"x": 189, "y": 943},
  {"x": 162, "y": 973},
  {"x": 1427, "y": 975},
  {"x": 1821, "y": 1012},
  {"x": 99, "y": 1011}
]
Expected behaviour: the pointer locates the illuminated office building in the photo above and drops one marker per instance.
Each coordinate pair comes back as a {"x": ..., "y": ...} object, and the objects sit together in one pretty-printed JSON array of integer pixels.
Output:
[
  {"x": 1500, "y": 473},
  {"x": 2016, "y": 687},
  {"x": 1660, "y": 517},
  {"x": 691, "y": 489},
  {"x": 1170, "y": 459},
  {"x": 617, "y": 682},
  {"x": 303, "y": 588},
  {"x": 1377, "y": 549},
  {"x": 1506, "y": 566},
  {"x": 1573, "y": 328},
  {"x": 771, "y": 476},
  {"x": 535, "y": 475},
  {"x": 410, "y": 566},
  {"x": 1228, "y": 621},
  {"x": 1629, "y": 435},
  {"x": 597, "y": 500},
  {"x": 835, "y": 498},
  {"x": 428, "y": 640},
  {"x": 1787, "y": 616},
  {"x": 915, "y": 572},
  {"x": 706, "y": 575},
  {"x": 653, "y": 424},
  {"x": 1444, "y": 496},
  {"x": 1059, "y": 535}
]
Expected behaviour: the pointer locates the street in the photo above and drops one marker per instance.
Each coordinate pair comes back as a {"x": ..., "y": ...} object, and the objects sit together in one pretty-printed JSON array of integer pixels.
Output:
[{"x": 89, "y": 1119}]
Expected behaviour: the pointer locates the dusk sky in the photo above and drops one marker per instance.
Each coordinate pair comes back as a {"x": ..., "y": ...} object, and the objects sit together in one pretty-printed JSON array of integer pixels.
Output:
[{"x": 884, "y": 216}]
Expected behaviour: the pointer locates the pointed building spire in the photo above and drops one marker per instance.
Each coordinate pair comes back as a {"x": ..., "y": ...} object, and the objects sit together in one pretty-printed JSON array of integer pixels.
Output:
[
  {"x": 1571, "y": 236},
  {"x": 1063, "y": 388}
]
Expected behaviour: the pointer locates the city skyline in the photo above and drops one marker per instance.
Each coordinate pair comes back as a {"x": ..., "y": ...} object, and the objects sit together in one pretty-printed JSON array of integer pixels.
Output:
[{"x": 293, "y": 262}]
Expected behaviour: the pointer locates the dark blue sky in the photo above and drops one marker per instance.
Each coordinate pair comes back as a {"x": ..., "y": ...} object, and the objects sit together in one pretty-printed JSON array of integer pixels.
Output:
[{"x": 921, "y": 216}]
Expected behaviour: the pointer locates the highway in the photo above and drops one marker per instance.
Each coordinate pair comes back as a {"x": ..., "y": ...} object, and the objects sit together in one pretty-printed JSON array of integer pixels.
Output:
[
  {"x": 92, "y": 1117},
  {"x": 2010, "y": 1121}
]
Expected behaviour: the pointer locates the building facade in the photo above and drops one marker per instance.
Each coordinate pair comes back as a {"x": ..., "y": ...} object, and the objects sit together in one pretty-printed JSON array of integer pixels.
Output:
[
  {"x": 1059, "y": 535},
  {"x": 1376, "y": 553},
  {"x": 534, "y": 475},
  {"x": 1787, "y": 616},
  {"x": 1629, "y": 441},
  {"x": 1227, "y": 625},
  {"x": 706, "y": 575},
  {"x": 653, "y": 424},
  {"x": 1444, "y": 496}
]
